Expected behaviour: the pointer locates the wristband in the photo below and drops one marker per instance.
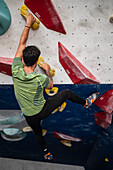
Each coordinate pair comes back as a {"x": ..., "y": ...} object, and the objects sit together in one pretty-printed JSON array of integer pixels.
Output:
[{"x": 27, "y": 26}]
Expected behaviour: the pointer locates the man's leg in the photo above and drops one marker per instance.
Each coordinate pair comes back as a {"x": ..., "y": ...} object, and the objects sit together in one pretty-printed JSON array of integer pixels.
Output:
[
  {"x": 34, "y": 122},
  {"x": 58, "y": 99},
  {"x": 55, "y": 101}
]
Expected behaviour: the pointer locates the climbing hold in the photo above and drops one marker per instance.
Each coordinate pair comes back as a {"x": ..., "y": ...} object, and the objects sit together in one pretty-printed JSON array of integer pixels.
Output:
[
  {"x": 55, "y": 111},
  {"x": 51, "y": 92},
  {"x": 103, "y": 119},
  {"x": 106, "y": 160},
  {"x": 24, "y": 12},
  {"x": 5, "y": 65},
  {"x": 66, "y": 142},
  {"x": 65, "y": 137},
  {"x": 41, "y": 62},
  {"x": 29, "y": 129},
  {"x": 111, "y": 19},
  {"x": 105, "y": 102},
  {"x": 15, "y": 137},
  {"x": 9, "y": 120},
  {"x": 75, "y": 70},
  {"x": 44, "y": 132},
  {"x": 62, "y": 107},
  {"x": 5, "y": 17},
  {"x": 46, "y": 13},
  {"x": 52, "y": 71},
  {"x": 10, "y": 131}
]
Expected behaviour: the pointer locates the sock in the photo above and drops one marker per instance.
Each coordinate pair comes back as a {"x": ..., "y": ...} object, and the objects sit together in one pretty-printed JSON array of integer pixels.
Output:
[{"x": 45, "y": 151}]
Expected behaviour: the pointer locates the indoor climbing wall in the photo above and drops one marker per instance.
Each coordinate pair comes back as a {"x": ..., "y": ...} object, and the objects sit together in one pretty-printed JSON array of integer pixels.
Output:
[
  {"x": 89, "y": 37},
  {"x": 80, "y": 49}
]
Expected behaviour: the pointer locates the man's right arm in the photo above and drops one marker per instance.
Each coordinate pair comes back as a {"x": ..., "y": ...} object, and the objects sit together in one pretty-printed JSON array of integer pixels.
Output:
[{"x": 46, "y": 67}]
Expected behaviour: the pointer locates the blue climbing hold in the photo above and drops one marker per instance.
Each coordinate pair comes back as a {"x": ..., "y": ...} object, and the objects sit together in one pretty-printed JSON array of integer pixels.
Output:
[
  {"x": 9, "y": 120},
  {"x": 5, "y": 17},
  {"x": 11, "y": 131}
]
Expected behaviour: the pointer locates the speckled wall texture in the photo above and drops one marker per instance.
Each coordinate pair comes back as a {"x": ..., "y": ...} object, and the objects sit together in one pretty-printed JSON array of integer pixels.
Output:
[{"x": 89, "y": 37}]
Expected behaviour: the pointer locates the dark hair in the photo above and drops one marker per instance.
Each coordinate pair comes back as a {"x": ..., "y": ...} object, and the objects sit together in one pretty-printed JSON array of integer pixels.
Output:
[{"x": 30, "y": 55}]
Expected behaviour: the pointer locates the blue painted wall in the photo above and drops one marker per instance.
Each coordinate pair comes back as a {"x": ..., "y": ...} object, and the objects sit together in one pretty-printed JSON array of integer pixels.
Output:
[{"x": 75, "y": 121}]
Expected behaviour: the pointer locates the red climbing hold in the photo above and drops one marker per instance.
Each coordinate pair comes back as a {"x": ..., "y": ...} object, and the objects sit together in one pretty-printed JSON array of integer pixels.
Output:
[
  {"x": 103, "y": 119},
  {"x": 46, "y": 13},
  {"x": 65, "y": 137},
  {"x": 5, "y": 65},
  {"x": 75, "y": 70},
  {"x": 105, "y": 102}
]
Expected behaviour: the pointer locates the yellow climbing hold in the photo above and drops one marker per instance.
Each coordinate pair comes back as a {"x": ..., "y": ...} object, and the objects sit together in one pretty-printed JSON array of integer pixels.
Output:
[
  {"x": 52, "y": 71},
  {"x": 106, "y": 160},
  {"x": 40, "y": 61},
  {"x": 29, "y": 129},
  {"x": 24, "y": 13},
  {"x": 66, "y": 142},
  {"x": 62, "y": 107},
  {"x": 44, "y": 131},
  {"x": 55, "y": 111},
  {"x": 51, "y": 92}
]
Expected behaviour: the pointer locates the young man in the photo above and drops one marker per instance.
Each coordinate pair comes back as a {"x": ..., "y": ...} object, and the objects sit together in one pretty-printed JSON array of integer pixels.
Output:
[{"x": 29, "y": 87}]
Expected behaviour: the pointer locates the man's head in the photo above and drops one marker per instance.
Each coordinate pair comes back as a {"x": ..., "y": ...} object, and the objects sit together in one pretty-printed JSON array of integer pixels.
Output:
[{"x": 30, "y": 55}]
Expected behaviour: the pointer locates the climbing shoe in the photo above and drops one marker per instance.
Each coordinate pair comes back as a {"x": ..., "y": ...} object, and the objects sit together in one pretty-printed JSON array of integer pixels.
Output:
[
  {"x": 48, "y": 156},
  {"x": 91, "y": 99}
]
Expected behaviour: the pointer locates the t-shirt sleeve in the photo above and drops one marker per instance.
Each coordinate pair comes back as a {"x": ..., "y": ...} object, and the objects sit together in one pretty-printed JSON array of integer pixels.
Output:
[
  {"x": 16, "y": 65},
  {"x": 46, "y": 83},
  {"x": 44, "y": 80}
]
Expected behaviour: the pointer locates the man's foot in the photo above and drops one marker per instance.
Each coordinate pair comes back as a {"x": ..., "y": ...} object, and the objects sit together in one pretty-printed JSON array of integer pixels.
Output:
[
  {"x": 48, "y": 156},
  {"x": 91, "y": 99}
]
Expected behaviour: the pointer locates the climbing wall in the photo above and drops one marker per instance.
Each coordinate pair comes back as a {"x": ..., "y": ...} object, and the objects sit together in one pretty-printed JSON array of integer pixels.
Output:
[{"x": 89, "y": 37}]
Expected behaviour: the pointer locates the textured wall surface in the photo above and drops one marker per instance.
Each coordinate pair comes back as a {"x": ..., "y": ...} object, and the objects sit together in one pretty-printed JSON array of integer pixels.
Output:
[{"x": 89, "y": 37}]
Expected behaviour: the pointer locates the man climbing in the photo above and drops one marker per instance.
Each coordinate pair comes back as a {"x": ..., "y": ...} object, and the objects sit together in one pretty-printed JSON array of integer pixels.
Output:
[{"x": 29, "y": 87}]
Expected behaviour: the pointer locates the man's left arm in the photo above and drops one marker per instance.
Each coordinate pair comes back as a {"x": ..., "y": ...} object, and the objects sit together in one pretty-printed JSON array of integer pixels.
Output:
[{"x": 23, "y": 40}]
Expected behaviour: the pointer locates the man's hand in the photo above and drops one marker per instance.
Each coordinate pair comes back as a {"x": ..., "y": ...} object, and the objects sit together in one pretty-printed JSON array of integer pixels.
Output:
[
  {"x": 30, "y": 20},
  {"x": 45, "y": 67}
]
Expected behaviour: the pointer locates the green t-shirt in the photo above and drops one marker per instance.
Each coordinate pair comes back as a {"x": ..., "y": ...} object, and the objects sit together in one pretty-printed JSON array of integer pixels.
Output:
[{"x": 28, "y": 88}]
